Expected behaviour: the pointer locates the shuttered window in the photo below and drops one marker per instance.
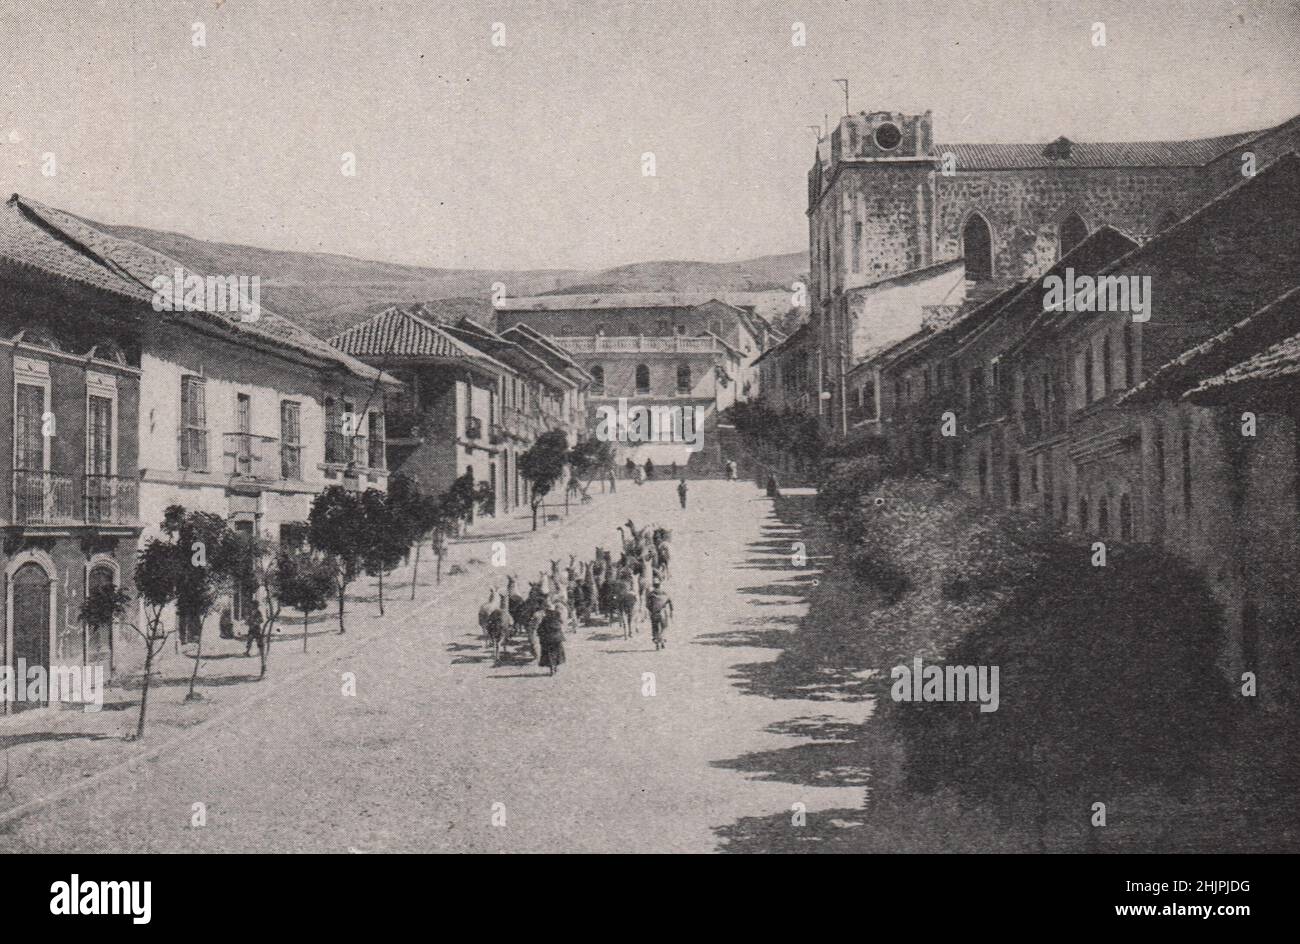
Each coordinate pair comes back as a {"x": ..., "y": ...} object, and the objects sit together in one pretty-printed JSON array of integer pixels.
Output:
[{"x": 194, "y": 425}]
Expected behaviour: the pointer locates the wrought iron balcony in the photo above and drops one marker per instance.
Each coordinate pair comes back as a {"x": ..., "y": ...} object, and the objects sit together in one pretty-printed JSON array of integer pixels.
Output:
[
  {"x": 375, "y": 453},
  {"x": 41, "y": 497},
  {"x": 290, "y": 461},
  {"x": 193, "y": 449},
  {"x": 111, "y": 499},
  {"x": 341, "y": 449},
  {"x": 250, "y": 456}
]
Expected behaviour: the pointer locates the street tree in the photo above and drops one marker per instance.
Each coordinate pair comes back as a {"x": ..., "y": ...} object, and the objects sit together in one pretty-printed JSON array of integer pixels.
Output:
[
  {"x": 591, "y": 458},
  {"x": 306, "y": 582},
  {"x": 157, "y": 580},
  {"x": 210, "y": 549},
  {"x": 543, "y": 465},
  {"x": 336, "y": 528},
  {"x": 384, "y": 539}
]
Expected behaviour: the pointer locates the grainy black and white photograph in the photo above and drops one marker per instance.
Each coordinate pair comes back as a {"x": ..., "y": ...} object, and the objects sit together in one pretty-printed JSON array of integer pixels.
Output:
[{"x": 697, "y": 426}]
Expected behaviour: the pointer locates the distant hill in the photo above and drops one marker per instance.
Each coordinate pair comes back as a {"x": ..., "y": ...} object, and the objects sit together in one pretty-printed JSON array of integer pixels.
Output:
[{"x": 326, "y": 293}]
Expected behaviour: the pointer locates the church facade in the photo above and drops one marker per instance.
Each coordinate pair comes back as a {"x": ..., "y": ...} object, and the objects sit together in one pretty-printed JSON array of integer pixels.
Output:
[{"x": 886, "y": 201}]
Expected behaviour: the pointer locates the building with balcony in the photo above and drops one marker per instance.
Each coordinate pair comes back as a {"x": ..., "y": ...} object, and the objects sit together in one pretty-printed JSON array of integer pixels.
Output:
[
  {"x": 450, "y": 417},
  {"x": 546, "y": 391},
  {"x": 120, "y": 409}
]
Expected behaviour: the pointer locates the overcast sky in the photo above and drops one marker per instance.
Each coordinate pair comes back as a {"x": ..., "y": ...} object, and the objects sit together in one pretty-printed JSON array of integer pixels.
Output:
[{"x": 529, "y": 155}]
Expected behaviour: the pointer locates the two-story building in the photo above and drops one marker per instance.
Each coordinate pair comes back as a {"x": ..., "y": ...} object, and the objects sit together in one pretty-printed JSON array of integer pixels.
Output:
[
  {"x": 447, "y": 420},
  {"x": 237, "y": 412},
  {"x": 667, "y": 356}
]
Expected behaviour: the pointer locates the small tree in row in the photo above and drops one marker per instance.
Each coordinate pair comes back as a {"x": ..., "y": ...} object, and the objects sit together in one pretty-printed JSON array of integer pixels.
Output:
[
  {"x": 336, "y": 529},
  {"x": 543, "y": 466}
]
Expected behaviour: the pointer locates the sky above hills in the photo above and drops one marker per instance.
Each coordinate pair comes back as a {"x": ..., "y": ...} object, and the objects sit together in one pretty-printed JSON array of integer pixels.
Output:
[{"x": 530, "y": 155}]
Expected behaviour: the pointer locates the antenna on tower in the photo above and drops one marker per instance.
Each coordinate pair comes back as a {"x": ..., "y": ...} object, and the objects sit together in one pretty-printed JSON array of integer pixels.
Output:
[{"x": 845, "y": 84}]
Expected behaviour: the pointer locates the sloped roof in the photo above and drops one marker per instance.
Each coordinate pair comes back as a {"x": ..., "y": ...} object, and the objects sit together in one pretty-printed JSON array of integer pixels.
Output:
[
  {"x": 1194, "y": 153},
  {"x": 400, "y": 333},
  {"x": 1205, "y": 278},
  {"x": 1279, "y": 362},
  {"x": 787, "y": 342},
  {"x": 548, "y": 346},
  {"x": 1228, "y": 354},
  {"x": 911, "y": 275},
  {"x": 1095, "y": 253},
  {"x": 58, "y": 243},
  {"x": 518, "y": 356}
]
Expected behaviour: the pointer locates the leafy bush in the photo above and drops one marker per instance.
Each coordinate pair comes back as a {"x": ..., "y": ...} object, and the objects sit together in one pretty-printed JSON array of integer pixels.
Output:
[{"x": 1108, "y": 681}]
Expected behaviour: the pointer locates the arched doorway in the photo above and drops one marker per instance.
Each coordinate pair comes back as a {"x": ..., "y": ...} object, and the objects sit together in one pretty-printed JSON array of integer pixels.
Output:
[
  {"x": 30, "y": 587},
  {"x": 977, "y": 248}
]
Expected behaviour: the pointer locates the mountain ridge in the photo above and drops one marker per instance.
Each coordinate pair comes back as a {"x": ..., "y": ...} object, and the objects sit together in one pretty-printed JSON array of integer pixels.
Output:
[{"x": 328, "y": 292}]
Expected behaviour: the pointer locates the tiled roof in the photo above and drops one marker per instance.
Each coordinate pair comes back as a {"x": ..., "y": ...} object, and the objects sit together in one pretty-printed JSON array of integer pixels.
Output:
[
  {"x": 1197, "y": 366},
  {"x": 553, "y": 350},
  {"x": 1193, "y": 153},
  {"x": 516, "y": 355},
  {"x": 58, "y": 243},
  {"x": 401, "y": 333},
  {"x": 1281, "y": 362}
]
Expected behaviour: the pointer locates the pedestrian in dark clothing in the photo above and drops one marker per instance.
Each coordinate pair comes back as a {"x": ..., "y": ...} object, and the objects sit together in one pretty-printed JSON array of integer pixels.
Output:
[
  {"x": 672, "y": 470},
  {"x": 227, "y": 625},
  {"x": 552, "y": 639},
  {"x": 254, "y": 623},
  {"x": 773, "y": 491},
  {"x": 681, "y": 492},
  {"x": 649, "y": 469},
  {"x": 631, "y": 468},
  {"x": 660, "y": 606}
]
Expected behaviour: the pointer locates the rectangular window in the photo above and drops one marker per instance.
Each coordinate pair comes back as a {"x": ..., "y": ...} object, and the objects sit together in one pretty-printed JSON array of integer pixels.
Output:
[
  {"x": 290, "y": 440},
  {"x": 244, "y": 441},
  {"x": 29, "y": 444},
  {"x": 376, "y": 440},
  {"x": 194, "y": 425}
]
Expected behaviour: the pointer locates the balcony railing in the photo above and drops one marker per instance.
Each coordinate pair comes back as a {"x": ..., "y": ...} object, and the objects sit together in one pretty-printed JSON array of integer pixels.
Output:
[
  {"x": 250, "y": 456},
  {"x": 291, "y": 461},
  {"x": 676, "y": 344},
  {"x": 45, "y": 498},
  {"x": 193, "y": 449},
  {"x": 341, "y": 449},
  {"x": 111, "y": 499}
]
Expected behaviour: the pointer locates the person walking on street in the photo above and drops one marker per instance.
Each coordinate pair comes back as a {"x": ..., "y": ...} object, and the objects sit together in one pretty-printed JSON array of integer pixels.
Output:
[
  {"x": 552, "y": 637},
  {"x": 681, "y": 492},
  {"x": 630, "y": 467},
  {"x": 254, "y": 623},
  {"x": 649, "y": 469},
  {"x": 773, "y": 490},
  {"x": 660, "y": 606},
  {"x": 731, "y": 469}
]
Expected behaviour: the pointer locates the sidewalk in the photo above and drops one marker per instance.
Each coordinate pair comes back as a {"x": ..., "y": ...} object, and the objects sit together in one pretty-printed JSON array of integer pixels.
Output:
[{"x": 48, "y": 752}]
